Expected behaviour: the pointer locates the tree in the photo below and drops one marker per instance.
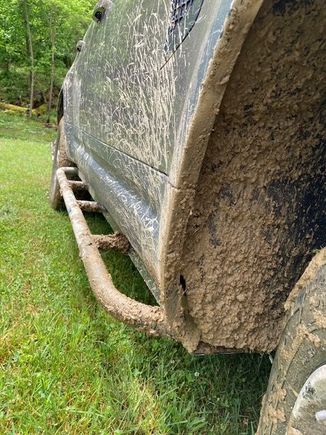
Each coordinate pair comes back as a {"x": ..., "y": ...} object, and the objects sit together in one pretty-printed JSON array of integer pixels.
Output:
[
  {"x": 34, "y": 56},
  {"x": 29, "y": 42}
]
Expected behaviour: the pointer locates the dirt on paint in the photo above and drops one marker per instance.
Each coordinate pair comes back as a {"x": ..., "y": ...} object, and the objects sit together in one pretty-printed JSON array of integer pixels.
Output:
[{"x": 259, "y": 209}]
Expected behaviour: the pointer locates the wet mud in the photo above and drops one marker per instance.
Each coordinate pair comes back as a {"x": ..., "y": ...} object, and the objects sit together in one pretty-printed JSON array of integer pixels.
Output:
[{"x": 259, "y": 208}]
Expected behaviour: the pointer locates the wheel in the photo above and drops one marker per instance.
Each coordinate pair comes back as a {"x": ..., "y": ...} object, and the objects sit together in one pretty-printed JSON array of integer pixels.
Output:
[
  {"x": 295, "y": 401},
  {"x": 60, "y": 159}
]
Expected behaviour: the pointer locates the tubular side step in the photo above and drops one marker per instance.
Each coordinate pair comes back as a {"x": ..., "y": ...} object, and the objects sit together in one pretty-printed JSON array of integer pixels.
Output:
[{"x": 144, "y": 317}]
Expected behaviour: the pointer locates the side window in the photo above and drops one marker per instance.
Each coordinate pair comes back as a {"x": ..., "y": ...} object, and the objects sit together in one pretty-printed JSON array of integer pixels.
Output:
[{"x": 184, "y": 14}]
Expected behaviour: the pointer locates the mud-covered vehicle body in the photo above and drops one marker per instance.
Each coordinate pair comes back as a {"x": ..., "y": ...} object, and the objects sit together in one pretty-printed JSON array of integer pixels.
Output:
[{"x": 198, "y": 127}]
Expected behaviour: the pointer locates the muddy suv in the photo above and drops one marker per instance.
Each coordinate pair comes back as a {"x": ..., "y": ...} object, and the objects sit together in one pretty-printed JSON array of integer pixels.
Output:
[{"x": 198, "y": 129}]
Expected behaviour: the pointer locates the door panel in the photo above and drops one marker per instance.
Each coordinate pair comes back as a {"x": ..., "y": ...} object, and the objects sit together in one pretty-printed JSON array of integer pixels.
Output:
[
  {"x": 126, "y": 98},
  {"x": 129, "y": 103}
]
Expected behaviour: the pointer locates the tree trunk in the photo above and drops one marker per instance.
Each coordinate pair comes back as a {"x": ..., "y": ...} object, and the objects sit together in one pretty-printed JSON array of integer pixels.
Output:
[
  {"x": 52, "y": 35},
  {"x": 31, "y": 54}
]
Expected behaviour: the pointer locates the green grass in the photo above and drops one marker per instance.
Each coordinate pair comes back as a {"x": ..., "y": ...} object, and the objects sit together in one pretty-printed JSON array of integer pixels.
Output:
[{"x": 66, "y": 366}]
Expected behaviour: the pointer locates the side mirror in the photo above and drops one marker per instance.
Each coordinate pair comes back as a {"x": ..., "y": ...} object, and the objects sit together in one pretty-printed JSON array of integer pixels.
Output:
[{"x": 102, "y": 7}]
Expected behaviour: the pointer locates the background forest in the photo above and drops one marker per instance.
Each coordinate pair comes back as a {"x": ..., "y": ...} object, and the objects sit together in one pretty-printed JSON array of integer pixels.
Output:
[{"x": 37, "y": 46}]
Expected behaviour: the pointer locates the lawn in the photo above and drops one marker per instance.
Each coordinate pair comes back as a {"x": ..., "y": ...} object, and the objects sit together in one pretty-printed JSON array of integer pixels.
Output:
[{"x": 65, "y": 365}]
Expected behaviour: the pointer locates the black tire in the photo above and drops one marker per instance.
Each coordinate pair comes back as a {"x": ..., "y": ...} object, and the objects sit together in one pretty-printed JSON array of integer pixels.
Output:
[
  {"x": 300, "y": 354},
  {"x": 60, "y": 159}
]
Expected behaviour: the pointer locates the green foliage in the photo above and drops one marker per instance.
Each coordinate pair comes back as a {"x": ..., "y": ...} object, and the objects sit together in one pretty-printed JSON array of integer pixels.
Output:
[
  {"x": 55, "y": 25},
  {"x": 67, "y": 367}
]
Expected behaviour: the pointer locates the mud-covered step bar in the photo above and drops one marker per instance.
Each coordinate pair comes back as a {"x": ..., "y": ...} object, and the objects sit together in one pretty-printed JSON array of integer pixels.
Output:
[{"x": 144, "y": 317}]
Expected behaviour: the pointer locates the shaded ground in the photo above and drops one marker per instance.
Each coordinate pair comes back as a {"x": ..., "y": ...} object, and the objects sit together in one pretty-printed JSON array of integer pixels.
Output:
[{"x": 65, "y": 366}]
